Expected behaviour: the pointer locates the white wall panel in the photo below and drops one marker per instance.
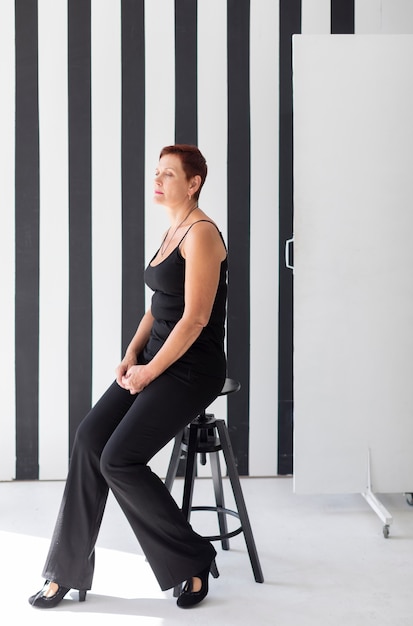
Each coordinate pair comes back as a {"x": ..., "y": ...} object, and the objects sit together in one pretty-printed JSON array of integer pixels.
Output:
[{"x": 353, "y": 293}]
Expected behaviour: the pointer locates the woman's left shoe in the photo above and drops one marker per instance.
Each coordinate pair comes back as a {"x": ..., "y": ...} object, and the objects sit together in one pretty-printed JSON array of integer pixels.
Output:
[
  {"x": 188, "y": 597},
  {"x": 42, "y": 601}
]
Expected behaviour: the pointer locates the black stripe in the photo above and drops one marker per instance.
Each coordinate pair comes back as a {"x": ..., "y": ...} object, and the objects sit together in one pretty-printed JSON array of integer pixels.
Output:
[
  {"x": 238, "y": 340},
  {"x": 290, "y": 23},
  {"x": 27, "y": 241},
  {"x": 133, "y": 166},
  {"x": 80, "y": 258},
  {"x": 186, "y": 81},
  {"x": 342, "y": 17},
  {"x": 186, "y": 59}
]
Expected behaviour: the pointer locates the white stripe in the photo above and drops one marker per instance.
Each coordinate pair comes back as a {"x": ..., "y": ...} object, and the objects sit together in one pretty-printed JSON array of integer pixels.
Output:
[
  {"x": 264, "y": 237},
  {"x": 7, "y": 237},
  {"x": 383, "y": 17},
  {"x": 213, "y": 127},
  {"x": 316, "y": 17},
  {"x": 53, "y": 296},
  {"x": 368, "y": 16},
  {"x": 397, "y": 17},
  {"x": 106, "y": 192},
  {"x": 213, "y": 106},
  {"x": 160, "y": 131},
  {"x": 160, "y": 106}
]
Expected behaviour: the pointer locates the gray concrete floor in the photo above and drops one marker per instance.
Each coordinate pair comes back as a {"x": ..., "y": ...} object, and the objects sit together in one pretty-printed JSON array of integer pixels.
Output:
[{"x": 324, "y": 559}]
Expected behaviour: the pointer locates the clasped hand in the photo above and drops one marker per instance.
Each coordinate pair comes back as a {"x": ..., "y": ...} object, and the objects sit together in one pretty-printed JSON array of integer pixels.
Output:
[{"x": 134, "y": 377}]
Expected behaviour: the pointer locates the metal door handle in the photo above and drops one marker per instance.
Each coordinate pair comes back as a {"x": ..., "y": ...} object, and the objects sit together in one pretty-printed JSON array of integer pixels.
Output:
[{"x": 288, "y": 243}]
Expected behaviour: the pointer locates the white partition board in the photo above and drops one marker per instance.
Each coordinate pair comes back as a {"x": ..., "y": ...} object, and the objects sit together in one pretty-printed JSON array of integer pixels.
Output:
[{"x": 353, "y": 263}]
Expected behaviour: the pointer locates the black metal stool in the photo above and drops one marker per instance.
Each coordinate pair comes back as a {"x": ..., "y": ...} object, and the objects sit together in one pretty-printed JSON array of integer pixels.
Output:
[{"x": 205, "y": 434}]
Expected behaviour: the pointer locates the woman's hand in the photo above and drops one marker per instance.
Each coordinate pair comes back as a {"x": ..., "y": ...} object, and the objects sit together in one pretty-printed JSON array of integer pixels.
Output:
[
  {"x": 135, "y": 347},
  {"x": 128, "y": 361},
  {"x": 136, "y": 378}
]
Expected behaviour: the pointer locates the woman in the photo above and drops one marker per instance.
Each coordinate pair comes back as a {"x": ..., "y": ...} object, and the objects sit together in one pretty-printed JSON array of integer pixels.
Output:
[{"x": 173, "y": 368}]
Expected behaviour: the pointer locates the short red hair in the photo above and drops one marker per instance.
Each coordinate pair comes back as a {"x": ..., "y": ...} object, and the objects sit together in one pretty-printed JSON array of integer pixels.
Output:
[{"x": 193, "y": 162}]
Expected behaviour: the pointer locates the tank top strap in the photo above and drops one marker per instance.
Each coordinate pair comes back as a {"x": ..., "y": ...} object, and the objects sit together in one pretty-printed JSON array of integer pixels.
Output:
[{"x": 197, "y": 222}]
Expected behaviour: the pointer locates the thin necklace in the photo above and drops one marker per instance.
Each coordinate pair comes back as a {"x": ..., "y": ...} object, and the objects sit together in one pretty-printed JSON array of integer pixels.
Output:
[{"x": 164, "y": 248}]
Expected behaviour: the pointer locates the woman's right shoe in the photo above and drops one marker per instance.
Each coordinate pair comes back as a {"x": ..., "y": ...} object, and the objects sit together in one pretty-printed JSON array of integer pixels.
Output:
[
  {"x": 41, "y": 601},
  {"x": 189, "y": 598}
]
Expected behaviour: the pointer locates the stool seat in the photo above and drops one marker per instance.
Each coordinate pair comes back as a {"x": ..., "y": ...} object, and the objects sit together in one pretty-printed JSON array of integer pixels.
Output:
[
  {"x": 208, "y": 435},
  {"x": 230, "y": 386}
]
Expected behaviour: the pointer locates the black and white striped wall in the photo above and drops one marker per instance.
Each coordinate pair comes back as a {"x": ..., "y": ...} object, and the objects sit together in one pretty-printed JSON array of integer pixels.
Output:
[{"x": 90, "y": 92}]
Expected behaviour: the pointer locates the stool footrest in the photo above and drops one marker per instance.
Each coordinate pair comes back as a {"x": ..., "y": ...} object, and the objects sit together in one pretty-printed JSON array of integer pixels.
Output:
[{"x": 220, "y": 509}]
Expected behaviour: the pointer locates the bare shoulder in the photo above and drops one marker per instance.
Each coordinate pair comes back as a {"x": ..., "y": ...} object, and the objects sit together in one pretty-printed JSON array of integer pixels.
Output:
[
  {"x": 205, "y": 225},
  {"x": 204, "y": 233}
]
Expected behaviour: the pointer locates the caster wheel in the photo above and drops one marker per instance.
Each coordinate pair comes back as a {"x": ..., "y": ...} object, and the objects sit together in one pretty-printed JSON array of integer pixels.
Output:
[
  {"x": 386, "y": 531},
  {"x": 409, "y": 498}
]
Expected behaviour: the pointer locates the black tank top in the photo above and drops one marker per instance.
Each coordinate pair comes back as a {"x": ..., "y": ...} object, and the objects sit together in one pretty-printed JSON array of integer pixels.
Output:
[{"x": 166, "y": 279}]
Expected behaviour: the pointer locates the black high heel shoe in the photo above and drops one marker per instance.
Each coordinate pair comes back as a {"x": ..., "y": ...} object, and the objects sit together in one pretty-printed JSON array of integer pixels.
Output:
[
  {"x": 188, "y": 597},
  {"x": 40, "y": 601}
]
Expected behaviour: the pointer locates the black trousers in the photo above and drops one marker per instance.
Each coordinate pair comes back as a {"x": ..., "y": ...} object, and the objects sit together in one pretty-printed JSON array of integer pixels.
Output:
[{"x": 112, "y": 448}]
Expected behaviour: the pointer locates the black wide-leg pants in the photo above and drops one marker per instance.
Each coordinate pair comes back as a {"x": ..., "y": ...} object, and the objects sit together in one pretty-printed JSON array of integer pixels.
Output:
[{"x": 112, "y": 448}]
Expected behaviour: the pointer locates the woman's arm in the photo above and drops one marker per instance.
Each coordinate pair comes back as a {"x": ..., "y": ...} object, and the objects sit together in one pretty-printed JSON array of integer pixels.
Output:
[
  {"x": 204, "y": 252},
  {"x": 134, "y": 348}
]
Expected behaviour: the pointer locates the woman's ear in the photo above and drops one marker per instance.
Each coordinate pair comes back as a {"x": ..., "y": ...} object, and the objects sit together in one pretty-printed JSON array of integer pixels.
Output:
[{"x": 195, "y": 183}]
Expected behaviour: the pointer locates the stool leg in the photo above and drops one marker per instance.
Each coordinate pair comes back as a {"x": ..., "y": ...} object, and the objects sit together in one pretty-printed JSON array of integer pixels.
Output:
[
  {"x": 219, "y": 496},
  {"x": 174, "y": 461},
  {"x": 239, "y": 499},
  {"x": 190, "y": 468}
]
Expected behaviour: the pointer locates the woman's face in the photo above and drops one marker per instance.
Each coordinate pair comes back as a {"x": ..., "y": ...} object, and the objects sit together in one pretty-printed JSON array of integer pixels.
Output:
[{"x": 171, "y": 186}]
